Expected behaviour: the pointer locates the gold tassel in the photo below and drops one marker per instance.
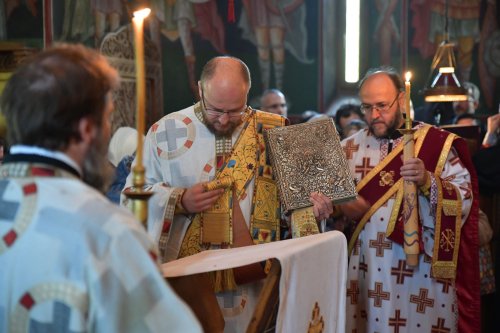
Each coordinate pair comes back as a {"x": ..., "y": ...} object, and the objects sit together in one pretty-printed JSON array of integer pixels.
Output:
[
  {"x": 223, "y": 280},
  {"x": 304, "y": 223}
]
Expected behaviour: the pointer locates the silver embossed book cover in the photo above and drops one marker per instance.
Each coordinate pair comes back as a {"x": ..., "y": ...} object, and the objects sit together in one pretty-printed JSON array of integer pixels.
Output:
[{"x": 309, "y": 158}]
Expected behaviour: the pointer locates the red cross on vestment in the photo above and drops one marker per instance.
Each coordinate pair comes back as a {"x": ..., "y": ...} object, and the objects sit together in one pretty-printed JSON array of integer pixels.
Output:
[
  {"x": 421, "y": 300},
  {"x": 364, "y": 168},
  {"x": 397, "y": 321},
  {"x": 353, "y": 291},
  {"x": 440, "y": 328},
  {"x": 401, "y": 272},
  {"x": 378, "y": 295},
  {"x": 350, "y": 148},
  {"x": 380, "y": 244},
  {"x": 363, "y": 267},
  {"x": 446, "y": 284}
]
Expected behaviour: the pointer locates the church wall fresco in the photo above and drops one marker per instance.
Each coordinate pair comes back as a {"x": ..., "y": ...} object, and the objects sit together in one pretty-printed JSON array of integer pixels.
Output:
[{"x": 294, "y": 45}]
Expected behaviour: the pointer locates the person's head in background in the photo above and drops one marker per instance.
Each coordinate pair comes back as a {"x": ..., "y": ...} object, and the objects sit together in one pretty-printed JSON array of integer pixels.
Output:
[
  {"x": 345, "y": 114},
  {"x": 121, "y": 153},
  {"x": 318, "y": 117},
  {"x": 472, "y": 102},
  {"x": 123, "y": 143},
  {"x": 467, "y": 119},
  {"x": 273, "y": 100},
  {"x": 353, "y": 127},
  {"x": 308, "y": 114},
  {"x": 61, "y": 100}
]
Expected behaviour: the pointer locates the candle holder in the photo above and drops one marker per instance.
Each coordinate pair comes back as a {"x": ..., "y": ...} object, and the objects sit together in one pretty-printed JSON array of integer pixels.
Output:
[{"x": 136, "y": 194}]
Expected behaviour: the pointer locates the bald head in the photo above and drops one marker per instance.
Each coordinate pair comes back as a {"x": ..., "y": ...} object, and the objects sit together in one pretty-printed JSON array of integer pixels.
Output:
[
  {"x": 226, "y": 68},
  {"x": 378, "y": 84},
  {"x": 223, "y": 87},
  {"x": 389, "y": 72}
]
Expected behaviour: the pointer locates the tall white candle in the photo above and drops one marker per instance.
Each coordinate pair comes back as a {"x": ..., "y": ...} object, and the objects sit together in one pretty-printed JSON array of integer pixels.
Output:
[{"x": 138, "y": 24}]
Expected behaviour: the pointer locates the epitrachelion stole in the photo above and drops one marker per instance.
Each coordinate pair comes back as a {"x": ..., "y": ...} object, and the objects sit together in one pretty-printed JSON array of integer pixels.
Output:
[{"x": 309, "y": 158}]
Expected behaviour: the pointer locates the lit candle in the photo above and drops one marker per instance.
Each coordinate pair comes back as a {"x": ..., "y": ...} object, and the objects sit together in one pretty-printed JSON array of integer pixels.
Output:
[
  {"x": 138, "y": 23},
  {"x": 407, "y": 99},
  {"x": 410, "y": 203}
]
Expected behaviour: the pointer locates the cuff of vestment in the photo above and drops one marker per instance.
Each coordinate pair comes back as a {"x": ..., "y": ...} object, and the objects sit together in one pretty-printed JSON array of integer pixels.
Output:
[{"x": 179, "y": 208}]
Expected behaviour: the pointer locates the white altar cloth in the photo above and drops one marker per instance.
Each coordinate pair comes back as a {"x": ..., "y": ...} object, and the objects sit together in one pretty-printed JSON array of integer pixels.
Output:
[{"x": 313, "y": 271}]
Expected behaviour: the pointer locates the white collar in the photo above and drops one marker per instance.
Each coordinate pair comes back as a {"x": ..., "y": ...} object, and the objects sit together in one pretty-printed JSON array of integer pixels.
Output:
[{"x": 22, "y": 149}]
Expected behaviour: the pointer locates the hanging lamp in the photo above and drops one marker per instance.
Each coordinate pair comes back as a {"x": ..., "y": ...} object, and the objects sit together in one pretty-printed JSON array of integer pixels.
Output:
[{"x": 443, "y": 84}]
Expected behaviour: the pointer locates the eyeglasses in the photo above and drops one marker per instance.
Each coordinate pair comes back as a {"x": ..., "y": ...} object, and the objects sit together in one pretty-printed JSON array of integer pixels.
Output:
[
  {"x": 382, "y": 108},
  {"x": 277, "y": 105},
  {"x": 219, "y": 113}
]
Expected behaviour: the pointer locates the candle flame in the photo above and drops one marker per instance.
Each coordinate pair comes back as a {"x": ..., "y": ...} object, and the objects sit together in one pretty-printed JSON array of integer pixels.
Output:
[
  {"x": 142, "y": 14},
  {"x": 408, "y": 76}
]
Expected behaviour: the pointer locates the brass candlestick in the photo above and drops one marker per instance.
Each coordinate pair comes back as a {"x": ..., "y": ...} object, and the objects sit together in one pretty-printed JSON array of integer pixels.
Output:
[{"x": 138, "y": 197}]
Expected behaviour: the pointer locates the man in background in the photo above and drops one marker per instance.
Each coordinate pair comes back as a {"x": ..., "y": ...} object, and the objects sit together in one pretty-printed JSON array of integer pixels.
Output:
[
  {"x": 71, "y": 260},
  {"x": 344, "y": 115},
  {"x": 471, "y": 104},
  {"x": 492, "y": 130},
  {"x": 121, "y": 153},
  {"x": 273, "y": 100},
  {"x": 466, "y": 119}
]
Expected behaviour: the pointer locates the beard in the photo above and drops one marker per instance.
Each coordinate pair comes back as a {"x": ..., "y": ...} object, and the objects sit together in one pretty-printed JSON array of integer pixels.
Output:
[
  {"x": 218, "y": 132},
  {"x": 391, "y": 126},
  {"x": 97, "y": 171}
]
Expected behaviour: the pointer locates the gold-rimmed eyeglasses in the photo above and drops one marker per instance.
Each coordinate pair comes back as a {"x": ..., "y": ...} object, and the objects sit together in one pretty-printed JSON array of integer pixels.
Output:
[
  {"x": 219, "y": 113},
  {"x": 382, "y": 108}
]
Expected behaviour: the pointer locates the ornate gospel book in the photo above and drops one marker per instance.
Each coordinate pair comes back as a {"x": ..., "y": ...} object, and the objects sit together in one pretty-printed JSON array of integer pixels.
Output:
[{"x": 309, "y": 158}]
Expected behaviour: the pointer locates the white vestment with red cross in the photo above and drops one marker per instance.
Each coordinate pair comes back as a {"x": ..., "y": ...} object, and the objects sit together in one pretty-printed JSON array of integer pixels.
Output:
[{"x": 383, "y": 293}]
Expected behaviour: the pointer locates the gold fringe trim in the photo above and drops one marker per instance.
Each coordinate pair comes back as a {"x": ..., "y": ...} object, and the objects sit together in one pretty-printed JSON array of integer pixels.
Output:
[
  {"x": 450, "y": 208},
  {"x": 444, "y": 154},
  {"x": 446, "y": 269},
  {"x": 304, "y": 223},
  {"x": 223, "y": 280}
]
